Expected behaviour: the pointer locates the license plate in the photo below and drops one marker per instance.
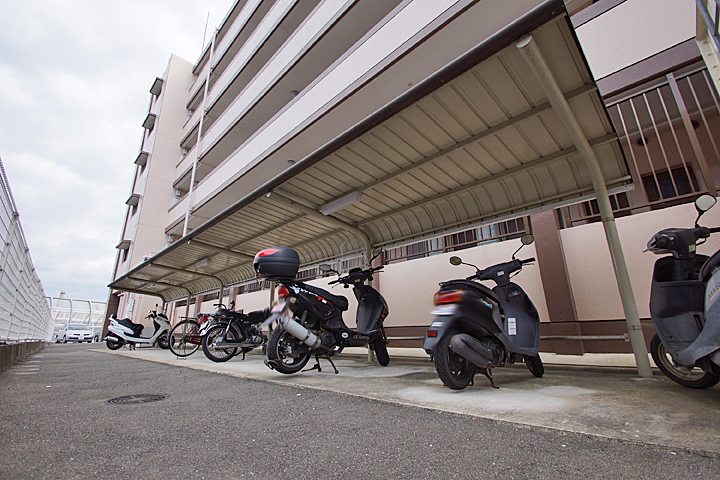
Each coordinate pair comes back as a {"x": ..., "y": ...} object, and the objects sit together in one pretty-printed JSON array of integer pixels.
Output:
[
  {"x": 279, "y": 307},
  {"x": 444, "y": 310}
]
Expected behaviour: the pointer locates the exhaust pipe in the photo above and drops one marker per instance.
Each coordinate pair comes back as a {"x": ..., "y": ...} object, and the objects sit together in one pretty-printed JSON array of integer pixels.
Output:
[
  {"x": 252, "y": 342},
  {"x": 472, "y": 350},
  {"x": 300, "y": 332}
]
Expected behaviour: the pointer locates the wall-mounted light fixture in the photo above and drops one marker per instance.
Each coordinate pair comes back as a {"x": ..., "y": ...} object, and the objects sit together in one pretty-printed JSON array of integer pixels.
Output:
[
  {"x": 202, "y": 262},
  {"x": 343, "y": 202}
]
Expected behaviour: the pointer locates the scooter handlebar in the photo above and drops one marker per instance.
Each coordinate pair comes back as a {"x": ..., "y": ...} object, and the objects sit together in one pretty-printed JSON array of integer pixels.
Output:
[{"x": 527, "y": 260}]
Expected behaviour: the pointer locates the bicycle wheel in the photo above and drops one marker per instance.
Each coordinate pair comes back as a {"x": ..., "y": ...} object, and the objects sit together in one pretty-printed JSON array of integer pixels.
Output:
[{"x": 185, "y": 338}]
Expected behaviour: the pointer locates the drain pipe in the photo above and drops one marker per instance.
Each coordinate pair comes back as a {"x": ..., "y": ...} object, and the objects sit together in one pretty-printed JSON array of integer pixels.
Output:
[{"x": 535, "y": 60}]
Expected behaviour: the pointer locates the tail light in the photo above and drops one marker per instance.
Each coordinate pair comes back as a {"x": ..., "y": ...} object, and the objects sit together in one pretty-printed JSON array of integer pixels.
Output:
[
  {"x": 283, "y": 292},
  {"x": 443, "y": 298},
  {"x": 432, "y": 333}
]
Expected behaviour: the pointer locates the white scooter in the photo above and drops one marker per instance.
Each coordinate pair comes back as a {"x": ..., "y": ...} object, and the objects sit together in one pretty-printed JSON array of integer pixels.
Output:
[{"x": 121, "y": 332}]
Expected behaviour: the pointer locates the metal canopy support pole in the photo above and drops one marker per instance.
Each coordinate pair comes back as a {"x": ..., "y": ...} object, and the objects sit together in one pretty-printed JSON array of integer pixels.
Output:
[{"x": 534, "y": 58}]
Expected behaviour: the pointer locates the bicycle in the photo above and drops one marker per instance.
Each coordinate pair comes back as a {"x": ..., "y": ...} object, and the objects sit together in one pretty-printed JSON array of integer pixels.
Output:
[{"x": 186, "y": 336}]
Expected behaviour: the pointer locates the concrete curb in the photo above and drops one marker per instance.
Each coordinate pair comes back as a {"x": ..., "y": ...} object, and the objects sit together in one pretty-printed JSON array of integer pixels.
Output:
[{"x": 9, "y": 354}]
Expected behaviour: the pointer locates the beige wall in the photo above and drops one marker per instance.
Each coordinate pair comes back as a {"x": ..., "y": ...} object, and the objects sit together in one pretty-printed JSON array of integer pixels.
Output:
[
  {"x": 409, "y": 286},
  {"x": 633, "y": 31},
  {"x": 590, "y": 270}
]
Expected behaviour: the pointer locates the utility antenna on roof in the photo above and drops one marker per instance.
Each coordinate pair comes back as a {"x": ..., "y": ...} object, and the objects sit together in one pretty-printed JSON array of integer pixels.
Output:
[{"x": 205, "y": 32}]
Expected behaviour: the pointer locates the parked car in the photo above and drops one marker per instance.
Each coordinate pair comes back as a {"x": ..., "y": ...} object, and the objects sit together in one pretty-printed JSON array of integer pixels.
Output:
[{"x": 74, "y": 333}]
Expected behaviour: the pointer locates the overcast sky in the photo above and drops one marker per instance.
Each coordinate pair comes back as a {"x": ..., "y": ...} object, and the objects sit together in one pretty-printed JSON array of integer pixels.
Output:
[{"x": 74, "y": 89}]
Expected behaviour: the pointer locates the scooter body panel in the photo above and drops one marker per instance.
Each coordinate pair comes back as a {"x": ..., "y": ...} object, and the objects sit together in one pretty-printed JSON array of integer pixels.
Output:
[
  {"x": 521, "y": 324},
  {"x": 676, "y": 307},
  {"x": 161, "y": 326},
  {"x": 707, "y": 342}
]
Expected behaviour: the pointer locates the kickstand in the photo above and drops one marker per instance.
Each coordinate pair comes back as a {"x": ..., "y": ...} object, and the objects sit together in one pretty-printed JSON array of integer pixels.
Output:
[
  {"x": 333, "y": 365},
  {"x": 488, "y": 373},
  {"x": 243, "y": 355},
  {"x": 317, "y": 365}
]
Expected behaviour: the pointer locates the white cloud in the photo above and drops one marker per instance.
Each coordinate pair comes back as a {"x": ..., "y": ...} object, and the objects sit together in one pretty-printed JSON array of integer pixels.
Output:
[{"x": 74, "y": 81}]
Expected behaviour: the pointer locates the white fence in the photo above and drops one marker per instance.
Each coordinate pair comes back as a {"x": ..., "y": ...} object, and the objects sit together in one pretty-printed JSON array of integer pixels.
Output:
[{"x": 24, "y": 311}]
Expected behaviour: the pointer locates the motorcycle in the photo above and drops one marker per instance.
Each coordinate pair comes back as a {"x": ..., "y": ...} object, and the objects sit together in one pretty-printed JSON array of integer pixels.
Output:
[
  {"x": 121, "y": 332},
  {"x": 477, "y": 329},
  {"x": 230, "y": 331},
  {"x": 310, "y": 319},
  {"x": 683, "y": 304}
]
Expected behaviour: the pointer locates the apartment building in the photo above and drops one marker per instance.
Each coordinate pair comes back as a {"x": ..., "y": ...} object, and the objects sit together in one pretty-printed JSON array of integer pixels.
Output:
[{"x": 338, "y": 126}]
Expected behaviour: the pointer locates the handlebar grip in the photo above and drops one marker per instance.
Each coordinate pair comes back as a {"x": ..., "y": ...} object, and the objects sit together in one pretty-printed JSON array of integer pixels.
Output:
[
  {"x": 662, "y": 242},
  {"x": 714, "y": 230},
  {"x": 527, "y": 260},
  {"x": 333, "y": 282}
]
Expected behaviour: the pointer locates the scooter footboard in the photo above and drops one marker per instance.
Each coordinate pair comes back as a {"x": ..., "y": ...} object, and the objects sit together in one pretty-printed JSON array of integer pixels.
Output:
[{"x": 677, "y": 309}]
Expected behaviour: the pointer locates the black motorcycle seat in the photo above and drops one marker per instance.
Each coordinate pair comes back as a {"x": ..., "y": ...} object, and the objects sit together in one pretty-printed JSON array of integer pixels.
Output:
[
  {"x": 479, "y": 287},
  {"x": 338, "y": 300},
  {"x": 707, "y": 269},
  {"x": 135, "y": 327}
]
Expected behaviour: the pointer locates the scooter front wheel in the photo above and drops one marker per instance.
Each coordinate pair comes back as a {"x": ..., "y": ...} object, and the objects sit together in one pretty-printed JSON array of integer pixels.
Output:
[
  {"x": 535, "y": 365},
  {"x": 381, "y": 352},
  {"x": 113, "y": 343},
  {"x": 693, "y": 378},
  {"x": 164, "y": 341},
  {"x": 456, "y": 372}
]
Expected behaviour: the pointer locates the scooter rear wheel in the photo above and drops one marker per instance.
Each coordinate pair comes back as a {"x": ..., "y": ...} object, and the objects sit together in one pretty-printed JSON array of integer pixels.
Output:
[
  {"x": 695, "y": 378},
  {"x": 456, "y": 372},
  {"x": 286, "y": 353},
  {"x": 113, "y": 344}
]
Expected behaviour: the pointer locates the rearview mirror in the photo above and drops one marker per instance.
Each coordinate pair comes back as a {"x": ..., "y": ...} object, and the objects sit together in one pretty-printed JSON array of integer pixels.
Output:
[
  {"x": 705, "y": 203},
  {"x": 325, "y": 267},
  {"x": 456, "y": 260},
  {"x": 527, "y": 239}
]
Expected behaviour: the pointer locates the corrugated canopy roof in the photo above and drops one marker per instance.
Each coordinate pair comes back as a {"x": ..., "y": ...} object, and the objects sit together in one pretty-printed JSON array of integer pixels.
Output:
[{"x": 477, "y": 142}]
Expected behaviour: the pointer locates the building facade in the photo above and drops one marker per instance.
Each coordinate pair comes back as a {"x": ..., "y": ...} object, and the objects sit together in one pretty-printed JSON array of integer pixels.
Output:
[{"x": 282, "y": 79}]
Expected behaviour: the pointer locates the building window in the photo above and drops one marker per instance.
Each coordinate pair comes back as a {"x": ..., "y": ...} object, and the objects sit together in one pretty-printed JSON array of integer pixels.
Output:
[
  {"x": 661, "y": 186},
  {"x": 124, "y": 255}
]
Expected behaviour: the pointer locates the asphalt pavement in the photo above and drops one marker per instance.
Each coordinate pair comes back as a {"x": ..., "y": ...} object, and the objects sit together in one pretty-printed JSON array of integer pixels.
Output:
[{"x": 81, "y": 411}]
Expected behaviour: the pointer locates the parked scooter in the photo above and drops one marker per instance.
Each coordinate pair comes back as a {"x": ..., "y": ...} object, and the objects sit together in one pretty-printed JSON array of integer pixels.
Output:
[
  {"x": 121, "y": 332},
  {"x": 684, "y": 304},
  {"x": 477, "y": 329},
  {"x": 230, "y": 331},
  {"x": 310, "y": 319}
]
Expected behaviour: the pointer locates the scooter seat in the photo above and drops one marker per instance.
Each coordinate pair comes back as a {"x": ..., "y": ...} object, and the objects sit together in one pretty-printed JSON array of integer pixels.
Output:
[
  {"x": 707, "y": 269},
  {"x": 338, "y": 300},
  {"x": 135, "y": 327}
]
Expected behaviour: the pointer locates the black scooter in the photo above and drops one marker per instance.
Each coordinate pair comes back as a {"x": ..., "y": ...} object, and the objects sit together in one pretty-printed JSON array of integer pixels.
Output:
[
  {"x": 477, "y": 329},
  {"x": 683, "y": 304},
  {"x": 310, "y": 322}
]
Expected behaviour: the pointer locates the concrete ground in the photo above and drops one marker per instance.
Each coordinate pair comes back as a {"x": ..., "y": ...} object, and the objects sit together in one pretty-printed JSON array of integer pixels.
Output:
[
  {"x": 611, "y": 402},
  {"x": 80, "y": 411}
]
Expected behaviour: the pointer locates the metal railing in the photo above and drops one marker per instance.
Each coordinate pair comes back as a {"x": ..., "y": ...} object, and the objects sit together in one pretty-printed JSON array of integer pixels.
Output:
[
  {"x": 670, "y": 136},
  {"x": 24, "y": 311}
]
